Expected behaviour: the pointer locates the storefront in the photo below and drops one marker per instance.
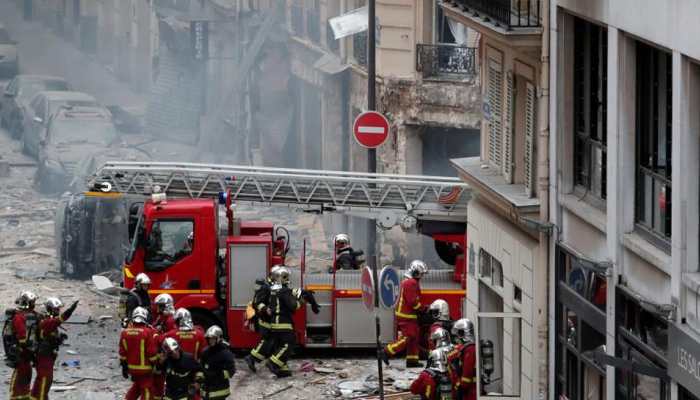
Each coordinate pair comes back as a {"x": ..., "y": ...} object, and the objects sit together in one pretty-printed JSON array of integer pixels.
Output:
[
  {"x": 641, "y": 348},
  {"x": 684, "y": 361},
  {"x": 580, "y": 326}
]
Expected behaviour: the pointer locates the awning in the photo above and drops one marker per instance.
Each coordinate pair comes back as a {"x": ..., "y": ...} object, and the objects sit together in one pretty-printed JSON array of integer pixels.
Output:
[{"x": 330, "y": 64}]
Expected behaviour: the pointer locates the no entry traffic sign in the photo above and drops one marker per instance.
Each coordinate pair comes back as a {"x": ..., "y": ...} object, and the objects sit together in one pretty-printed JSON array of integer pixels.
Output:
[
  {"x": 367, "y": 286},
  {"x": 371, "y": 129}
]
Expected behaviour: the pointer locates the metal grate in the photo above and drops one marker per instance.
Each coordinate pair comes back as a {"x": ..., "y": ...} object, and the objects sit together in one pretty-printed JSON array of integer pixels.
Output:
[
  {"x": 506, "y": 13},
  {"x": 445, "y": 60}
]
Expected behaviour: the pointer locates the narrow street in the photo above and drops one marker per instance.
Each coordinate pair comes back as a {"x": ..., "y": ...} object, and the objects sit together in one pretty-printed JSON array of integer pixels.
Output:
[{"x": 87, "y": 367}]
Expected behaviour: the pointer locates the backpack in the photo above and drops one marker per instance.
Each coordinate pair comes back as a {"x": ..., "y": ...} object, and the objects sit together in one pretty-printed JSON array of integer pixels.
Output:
[{"x": 10, "y": 343}]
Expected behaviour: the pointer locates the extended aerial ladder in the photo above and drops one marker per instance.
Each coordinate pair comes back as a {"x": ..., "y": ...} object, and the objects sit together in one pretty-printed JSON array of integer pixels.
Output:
[{"x": 405, "y": 200}]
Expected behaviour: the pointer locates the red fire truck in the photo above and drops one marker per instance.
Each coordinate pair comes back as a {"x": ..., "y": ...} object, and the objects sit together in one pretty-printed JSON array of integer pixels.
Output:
[{"x": 210, "y": 268}]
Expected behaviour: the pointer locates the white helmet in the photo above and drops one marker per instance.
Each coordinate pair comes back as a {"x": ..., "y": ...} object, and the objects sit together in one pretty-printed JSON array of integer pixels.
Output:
[
  {"x": 283, "y": 275},
  {"x": 214, "y": 332},
  {"x": 463, "y": 329},
  {"x": 165, "y": 303},
  {"x": 53, "y": 305},
  {"x": 440, "y": 310},
  {"x": 440, "y": 338},
  {"x": 139, "y": 315},
  {"x": 183, "y": 319},
  {"x": 26, "y": 299},
  {"x": 274, "y": 271},
  {"x": 341, "y": 239},
  {"x": 142, "y": 279},
  {"x": 416, "y": 269},
  {"x": 437, "y": 360},
  {"x": 170, "y": 345}
]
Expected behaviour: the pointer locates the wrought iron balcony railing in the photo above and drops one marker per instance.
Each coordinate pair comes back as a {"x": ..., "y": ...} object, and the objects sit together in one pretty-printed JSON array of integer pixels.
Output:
[
  {"x": 508, "y": 14},
  {"x": 359, "y": 48},
  {"x": 445, "y": 60}
]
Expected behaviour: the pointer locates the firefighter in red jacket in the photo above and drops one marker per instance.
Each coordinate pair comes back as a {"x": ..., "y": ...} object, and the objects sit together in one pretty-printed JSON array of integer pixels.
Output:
[
  {"x": 407, "y": 310},
  {"x": 462, "y": 360},
  {"x": 49, "y": 339},
  {"x": 164, "y": 323},
  {"x": 190, "y": 337},
  {"x": 434, "y": 383},
  {"x": 439, "y": 312},
  {"x": 138, "y": 353},
  {"x": 23, "y": 327}
]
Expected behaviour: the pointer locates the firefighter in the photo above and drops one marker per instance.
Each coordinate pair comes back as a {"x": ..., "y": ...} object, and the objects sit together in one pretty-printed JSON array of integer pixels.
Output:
[
  {"x": 49, "y": 339},
  {"x": 345, "y": 257},
  {"x": 283, "y": 305},
  {"x": 138, "y": 296},
  {"x": 462, "y": 360},
  {"x": 218, "y": 366},
  {"x": 189, "y": 337},
  {"x": 165, "y": 310},
  {"x": 440, "y": 339},
  {"x": 180, "y": 370},
  {"x": 407, "y": 310},
  {"x": 439, "y": 312},
  {"x": 138, "y": 354},
  {"x": 164, "y": 323},
  {"x": 262, "y": 318},
  {"x": 18, "y": 337},
  {"x": 434, "y": 383}
]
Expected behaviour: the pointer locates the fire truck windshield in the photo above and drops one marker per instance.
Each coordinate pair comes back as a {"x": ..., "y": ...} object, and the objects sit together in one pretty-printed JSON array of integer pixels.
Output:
[{"x": 169, "y": 241}]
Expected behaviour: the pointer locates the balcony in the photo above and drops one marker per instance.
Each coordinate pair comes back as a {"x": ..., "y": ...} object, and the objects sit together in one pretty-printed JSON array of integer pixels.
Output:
[
  {"x": 507, "y": 14},
  {"x": 445, "y": 61},
  {"x": 359, "y": 48}
]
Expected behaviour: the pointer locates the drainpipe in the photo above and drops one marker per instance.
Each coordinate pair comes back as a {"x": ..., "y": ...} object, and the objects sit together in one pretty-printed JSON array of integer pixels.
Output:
[{"x": 543, "y": 194}]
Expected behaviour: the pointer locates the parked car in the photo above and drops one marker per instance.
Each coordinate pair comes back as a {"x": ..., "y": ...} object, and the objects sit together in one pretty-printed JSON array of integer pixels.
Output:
[
  {"x": 40, "y": 110},
  {"x": 77, "y": 140},
  {"x": 9, "y": 61},
  {"x": 19, "y": 92}
]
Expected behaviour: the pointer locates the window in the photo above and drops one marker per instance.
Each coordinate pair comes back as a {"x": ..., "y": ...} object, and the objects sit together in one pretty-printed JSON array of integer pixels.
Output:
[
  {"x": 590, "y": 284},
  {"x": 168, "y": 242},
  {"x": 653, "y": 136},
  {"x": 490, "y": 268},
  {"x": 590, "y": 108},
  {"x": 517, "y": 294},
  {"x": 484, "y": 264}
]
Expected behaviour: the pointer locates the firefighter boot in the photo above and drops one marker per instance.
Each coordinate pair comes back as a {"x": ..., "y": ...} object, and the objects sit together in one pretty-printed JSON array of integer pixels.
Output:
[
  {"x": 250, "y": 362},
  {"x": 278, "y": 371},
  {"x": 384, "y": 356}
]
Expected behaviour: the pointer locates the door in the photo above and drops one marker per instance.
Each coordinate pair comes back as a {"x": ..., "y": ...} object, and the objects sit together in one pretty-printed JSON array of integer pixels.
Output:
[
  {"x": 499, "y": 371},
  {"x": 170, "y": 259}
]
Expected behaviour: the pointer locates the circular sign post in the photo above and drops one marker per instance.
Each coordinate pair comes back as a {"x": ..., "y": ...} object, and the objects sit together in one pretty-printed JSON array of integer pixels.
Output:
[
  {"x": 367, "y": 286},
  {"x": 389, "y": 284},
  {"x": 370, "y": 129}
]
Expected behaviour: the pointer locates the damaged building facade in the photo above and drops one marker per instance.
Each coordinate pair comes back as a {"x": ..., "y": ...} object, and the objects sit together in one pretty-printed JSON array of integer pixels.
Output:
[{"x": 427, "y": 86}]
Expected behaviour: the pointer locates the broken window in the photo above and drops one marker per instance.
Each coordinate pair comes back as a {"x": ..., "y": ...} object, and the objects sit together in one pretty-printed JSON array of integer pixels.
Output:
[{"x": 169, "y": 241}]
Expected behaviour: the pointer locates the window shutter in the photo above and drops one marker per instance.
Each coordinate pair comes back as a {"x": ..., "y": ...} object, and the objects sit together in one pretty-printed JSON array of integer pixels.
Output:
[
  {"x": 530, "y": 150},
  {"x": 495, "y": 90},
  {"x": 508, "y": 131}
]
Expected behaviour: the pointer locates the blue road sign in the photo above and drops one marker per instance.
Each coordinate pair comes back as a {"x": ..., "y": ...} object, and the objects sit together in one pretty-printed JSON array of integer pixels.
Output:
[{"x": 389, "y": 284}]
